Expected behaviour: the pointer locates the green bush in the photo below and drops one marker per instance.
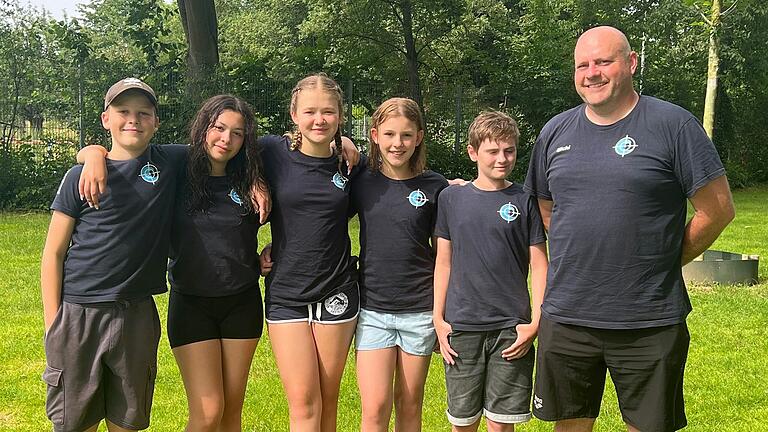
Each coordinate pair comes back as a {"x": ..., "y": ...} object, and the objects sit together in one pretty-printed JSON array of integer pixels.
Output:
[{"x": 30, "y": 173}]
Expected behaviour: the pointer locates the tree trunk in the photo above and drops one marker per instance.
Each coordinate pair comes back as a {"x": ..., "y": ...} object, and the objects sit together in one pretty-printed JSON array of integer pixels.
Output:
[
  {"x": 713, "y": 66},
  {"x": 198, "y": 17},
  {"x": 411, "y": 55}
]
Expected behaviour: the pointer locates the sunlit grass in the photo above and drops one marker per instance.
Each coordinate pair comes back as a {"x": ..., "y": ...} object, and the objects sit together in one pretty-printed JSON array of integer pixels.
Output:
[{"x": 726, "y": 385}]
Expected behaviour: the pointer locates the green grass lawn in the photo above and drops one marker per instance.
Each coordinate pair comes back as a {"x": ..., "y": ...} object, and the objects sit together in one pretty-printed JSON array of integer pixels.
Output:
[{"x": 726, "y": 387}]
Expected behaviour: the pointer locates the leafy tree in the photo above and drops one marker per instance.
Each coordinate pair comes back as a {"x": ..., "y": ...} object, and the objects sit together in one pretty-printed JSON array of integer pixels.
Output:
[{"x": 385, "y": 39}]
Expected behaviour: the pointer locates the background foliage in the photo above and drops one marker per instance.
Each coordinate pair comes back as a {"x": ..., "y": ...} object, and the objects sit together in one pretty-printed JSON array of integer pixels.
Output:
[{"x": 456, "y": 56}]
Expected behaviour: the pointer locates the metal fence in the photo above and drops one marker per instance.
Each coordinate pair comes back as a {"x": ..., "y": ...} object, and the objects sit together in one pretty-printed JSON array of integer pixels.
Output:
[
  {"x": 41, "y": 134},
  {"x": 449, "y": 111}
]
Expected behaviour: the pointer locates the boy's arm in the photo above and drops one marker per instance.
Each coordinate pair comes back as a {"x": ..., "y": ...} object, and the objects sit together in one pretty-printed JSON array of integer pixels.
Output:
[
  {"x": 93, "y": 178},
  {"x": 526, "y": 333},
  {"x": 442, "y": 274},
  {"x": 52, "y": 265}
]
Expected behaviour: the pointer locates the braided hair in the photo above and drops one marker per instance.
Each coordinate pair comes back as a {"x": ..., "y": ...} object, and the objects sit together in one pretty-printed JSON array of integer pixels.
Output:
[{"x": 327, "y": 84}]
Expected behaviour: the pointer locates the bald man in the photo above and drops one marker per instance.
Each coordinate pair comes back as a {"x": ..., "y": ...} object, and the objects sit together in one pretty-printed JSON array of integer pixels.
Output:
[{"x": 613, "y": 177}]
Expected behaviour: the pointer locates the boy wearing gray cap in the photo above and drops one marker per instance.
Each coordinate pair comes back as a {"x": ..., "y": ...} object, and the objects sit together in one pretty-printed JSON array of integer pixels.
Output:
[{"x": 100, "y": 268}]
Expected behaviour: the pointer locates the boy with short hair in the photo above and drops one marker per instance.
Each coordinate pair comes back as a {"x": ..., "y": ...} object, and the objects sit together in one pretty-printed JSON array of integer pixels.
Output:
[
  {"x": 100, "y": 268},
  {"x": 488, "y": 232}
]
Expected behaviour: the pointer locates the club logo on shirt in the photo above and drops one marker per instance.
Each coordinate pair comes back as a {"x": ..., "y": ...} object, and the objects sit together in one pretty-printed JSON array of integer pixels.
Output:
[
  {"x": 508, "y": 212},
  {"x": 339, "y": 181},
  {"x": 149, "y": 173},
  {"x": 625, "y": 146},
  {"x": 235, "y": 197},
  {"x": 417, "y": 198},
  {"x": 537, "y": 402},
  {"x": 336, "y": 304}
]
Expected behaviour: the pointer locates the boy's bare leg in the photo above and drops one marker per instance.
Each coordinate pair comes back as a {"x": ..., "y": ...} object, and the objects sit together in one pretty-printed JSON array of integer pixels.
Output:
[
  {"x": 375, "y": 371},
  {"x": 499, "y": 427},
  {"x": 111, "y": 427},
  {"x": 410, "y": 378},
  {"x": 575, "y": 425},
  {"x": 470, "y": 428}
]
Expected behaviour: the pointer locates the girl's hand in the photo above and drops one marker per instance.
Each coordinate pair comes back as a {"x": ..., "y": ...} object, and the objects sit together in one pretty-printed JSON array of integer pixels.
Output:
[
  {"x": 526, "y": 333},
  {"x": 93, "y": 178},
  {"x": 265, "y": 260},
  {"x": 458, "y": 181},
  {"x": 262, "y": 201},
  {"x": 443, "y": 329},
  {"x": 349, "y": 153}
]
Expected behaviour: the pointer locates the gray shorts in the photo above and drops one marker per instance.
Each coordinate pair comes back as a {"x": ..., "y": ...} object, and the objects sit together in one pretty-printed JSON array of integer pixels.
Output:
[
  {"x": 101, "y": 363},
  {"x": 482, "y": 382}
]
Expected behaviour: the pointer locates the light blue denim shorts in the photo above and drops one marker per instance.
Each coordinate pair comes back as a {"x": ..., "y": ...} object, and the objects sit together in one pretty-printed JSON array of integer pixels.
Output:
[{"x": 412, "y": 332}]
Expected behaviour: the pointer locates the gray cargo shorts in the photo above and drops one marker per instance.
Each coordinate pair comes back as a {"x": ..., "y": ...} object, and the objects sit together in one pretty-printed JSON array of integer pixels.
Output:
[{"x": 101, "y": 362}]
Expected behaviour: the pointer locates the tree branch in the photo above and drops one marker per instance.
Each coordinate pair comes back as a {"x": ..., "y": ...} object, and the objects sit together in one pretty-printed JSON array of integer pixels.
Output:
[
  {"x": 730, "y": 8},
  {"x": 439, "y": 57},
  {"x": 703, "y": 15},
  {"x": 429, "y": 42},
  {"x": 372, "y": 39}
]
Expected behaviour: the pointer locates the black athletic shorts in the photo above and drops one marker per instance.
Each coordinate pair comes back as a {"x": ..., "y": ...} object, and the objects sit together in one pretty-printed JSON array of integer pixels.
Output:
[
  {"x": 646, "y": 366},
  {"x": 339, "y": 307},
  {"x": 195, "y": 318}
]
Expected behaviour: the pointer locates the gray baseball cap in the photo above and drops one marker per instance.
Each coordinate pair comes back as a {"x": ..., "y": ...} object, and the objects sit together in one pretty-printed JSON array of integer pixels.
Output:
[{"x": 126, "y": 84}]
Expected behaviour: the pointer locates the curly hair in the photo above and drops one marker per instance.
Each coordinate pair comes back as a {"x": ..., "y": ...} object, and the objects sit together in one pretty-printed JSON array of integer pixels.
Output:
[{"x": 244, "y": 170}]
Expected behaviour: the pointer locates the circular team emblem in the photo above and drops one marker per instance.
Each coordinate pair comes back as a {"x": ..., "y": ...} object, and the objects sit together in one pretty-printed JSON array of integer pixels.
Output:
[
  {"x": 235, "y": 197},
  {"x": 417, "y": 198},
  {"x": 336, "y": 304},
  {"x": 508, "y": 212},
  {"x": 339, "y": 181},
  {"x": 149, "y": 173},
  {"x": 625, "y": 146}
]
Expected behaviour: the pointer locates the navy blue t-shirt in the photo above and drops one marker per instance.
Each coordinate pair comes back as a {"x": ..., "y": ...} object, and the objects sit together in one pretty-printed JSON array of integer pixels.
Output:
[
  {"x": 491, "y": 233},
  {"x": 620, "y": 195},
  {"x": 120, "y": 251},
  {"x": 310, "y": 240},
  {"x": 214, "y": 252},
  {"x": 397, "y": 218}
]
